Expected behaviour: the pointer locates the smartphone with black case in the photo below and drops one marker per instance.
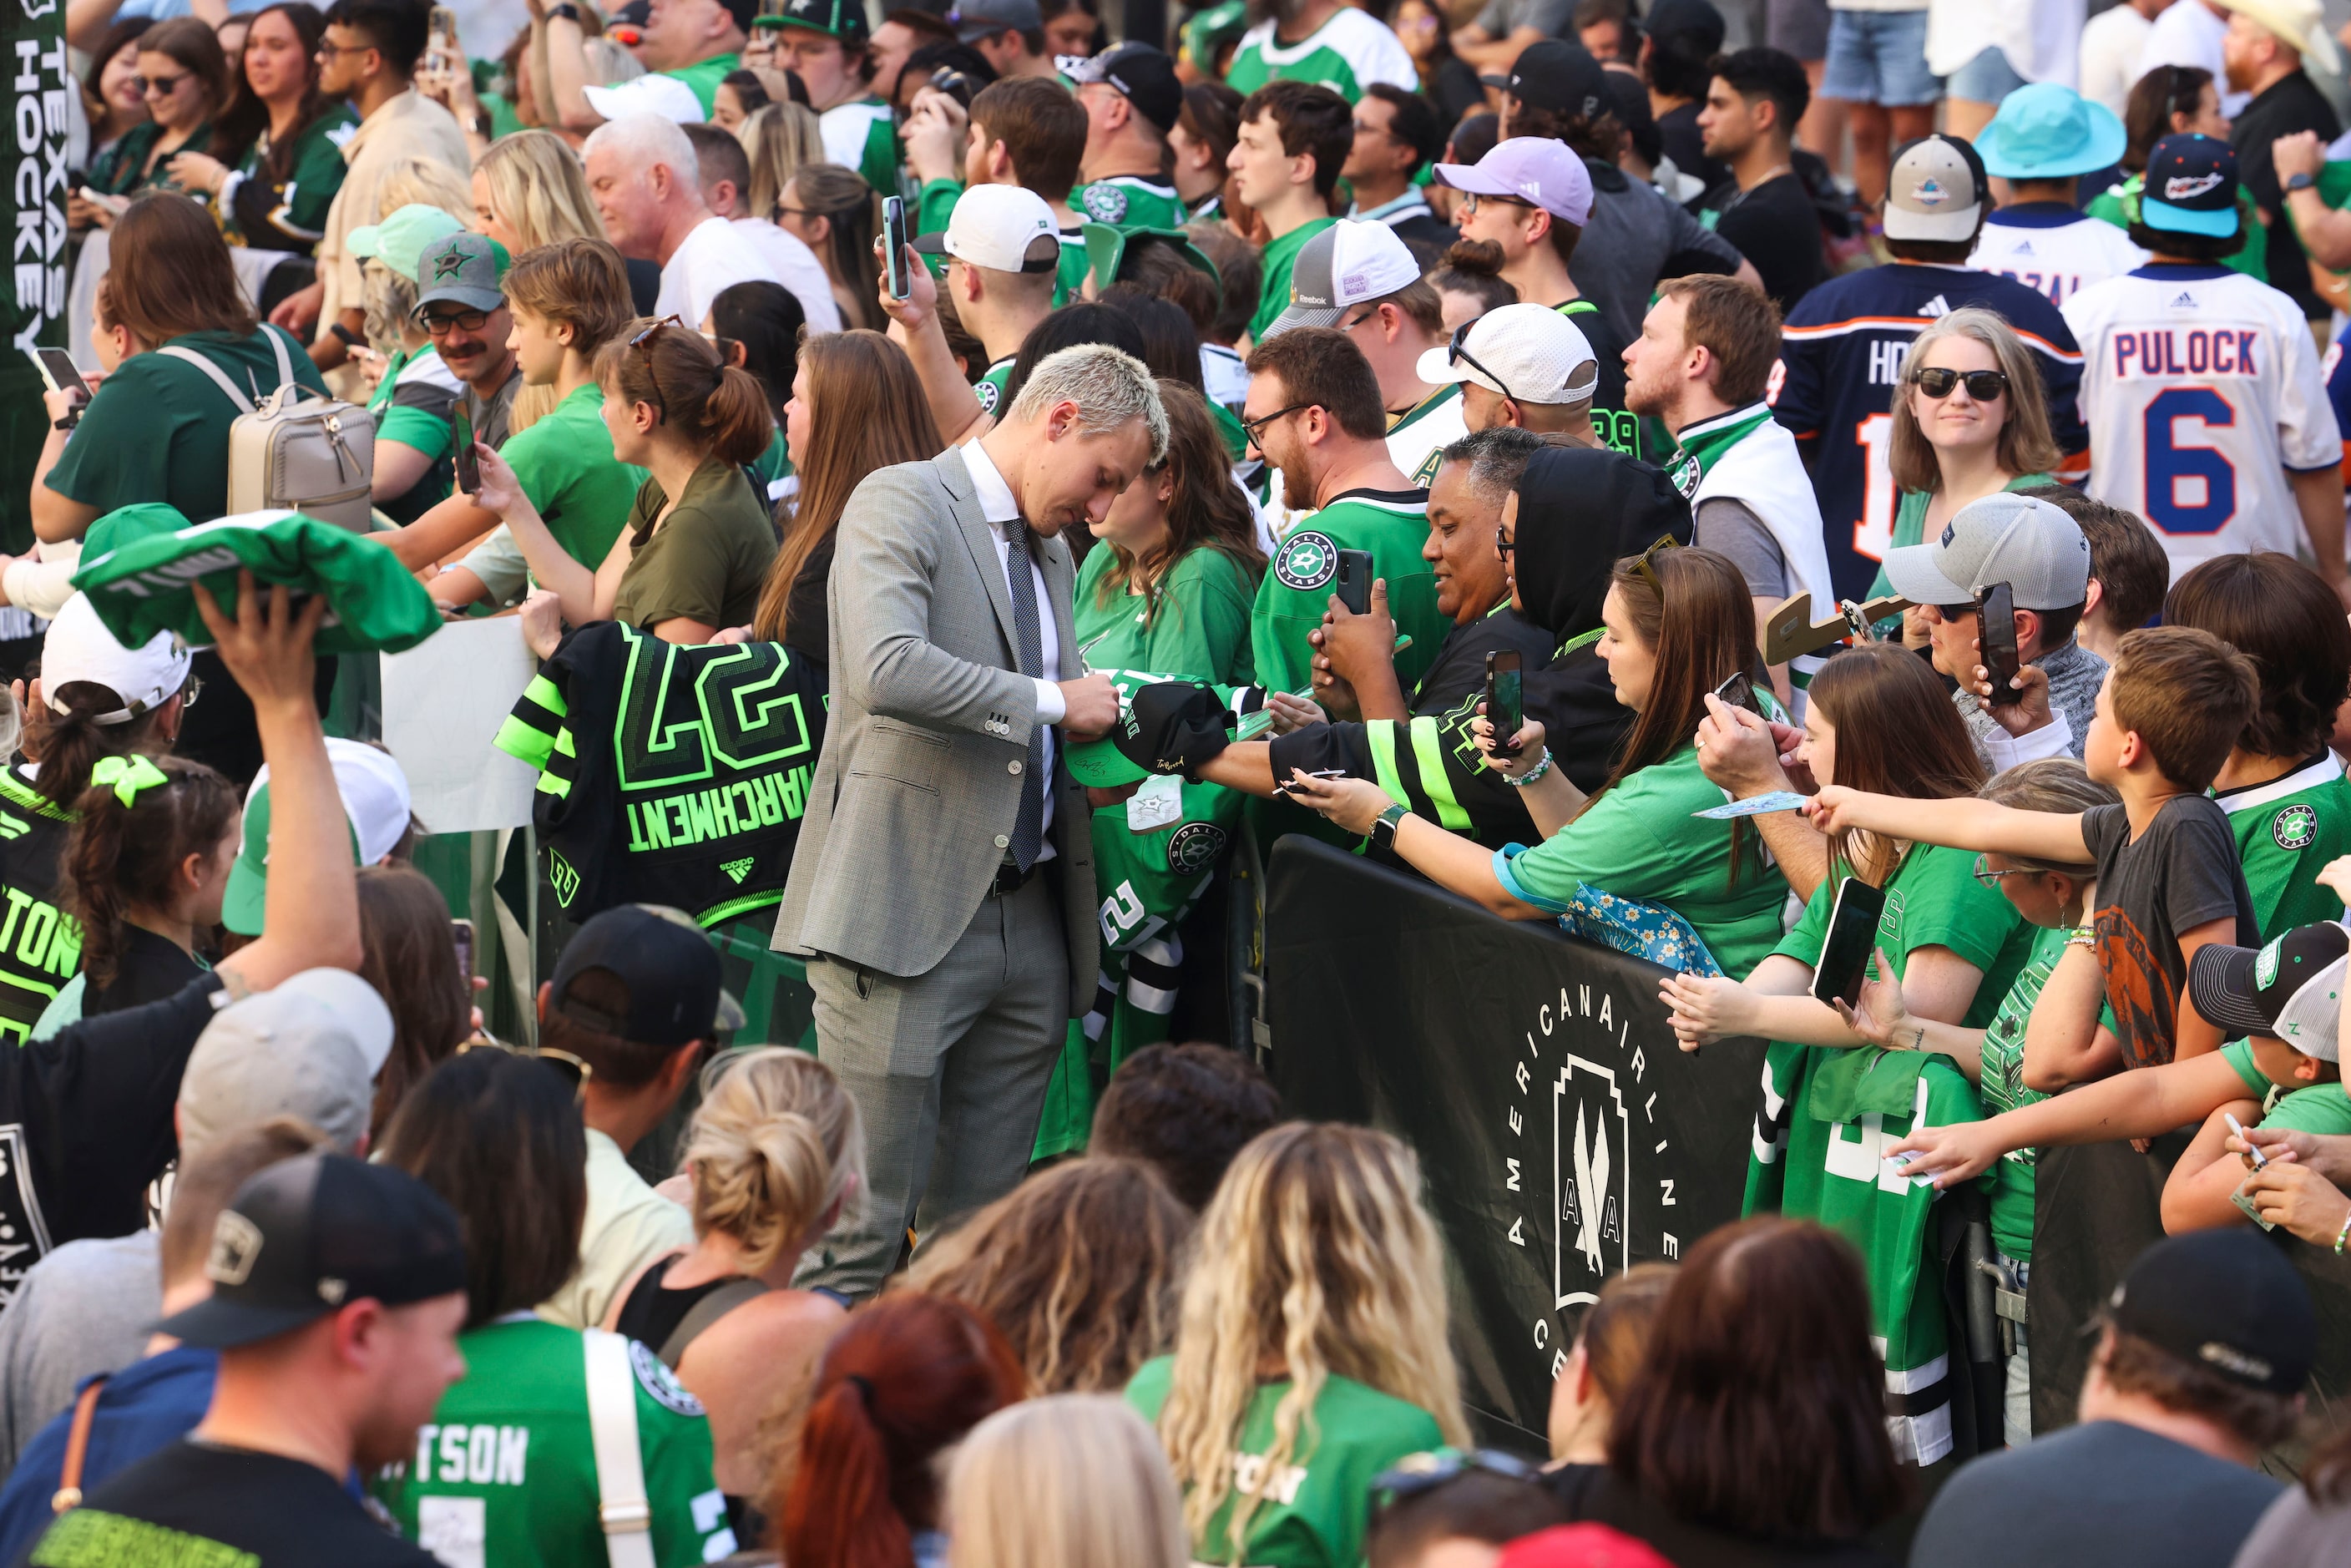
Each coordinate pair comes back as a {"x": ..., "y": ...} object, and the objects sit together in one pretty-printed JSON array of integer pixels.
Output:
[
  {"x": 1505, "y": 701},
  {"x": 58, "y": 370},
  {"x": 1853, "y": 936},
  {"x": 1996, "y": 643},
  {"x": 461, "y": 444},
  {"x": 1737, "y": 691},
  {"x": 462, "y": 932},
  {"x": 893, "y": 241},
  {"x": 1353, "y": 585}
]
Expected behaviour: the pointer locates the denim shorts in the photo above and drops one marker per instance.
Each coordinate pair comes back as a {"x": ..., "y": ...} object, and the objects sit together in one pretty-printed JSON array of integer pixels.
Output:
[
  {"x": 1987, "y": 78},
  {"x": 1879, "y": 56}
]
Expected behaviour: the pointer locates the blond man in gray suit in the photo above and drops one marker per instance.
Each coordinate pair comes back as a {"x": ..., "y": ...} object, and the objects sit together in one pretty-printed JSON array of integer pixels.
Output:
[{"x": 942, "y": 890}]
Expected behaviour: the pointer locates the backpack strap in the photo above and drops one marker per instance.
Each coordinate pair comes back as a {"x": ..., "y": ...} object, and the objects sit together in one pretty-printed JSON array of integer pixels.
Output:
[
  {"x": 85, "y": 1412},
  {"x": 704, "y": 1312},
  {"x": 285, "y": 365},
  {"x": 219, "y": 377},
  {"x": 624, "y": 1510}
]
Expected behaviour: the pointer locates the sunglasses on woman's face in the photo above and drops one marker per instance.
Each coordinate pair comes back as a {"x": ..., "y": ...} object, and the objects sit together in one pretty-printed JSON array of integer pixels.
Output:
[
  {"x": 1984, "y": 386},
  {"x": 159, "y": 87}
]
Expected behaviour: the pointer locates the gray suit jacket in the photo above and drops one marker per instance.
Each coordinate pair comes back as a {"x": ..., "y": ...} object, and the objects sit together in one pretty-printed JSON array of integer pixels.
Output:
[{"x": 913, "y": 798}]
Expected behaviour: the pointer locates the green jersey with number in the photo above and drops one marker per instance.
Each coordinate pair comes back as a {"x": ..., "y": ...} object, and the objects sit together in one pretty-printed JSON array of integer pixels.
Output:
[
  {"x": 1296, "y": 592},
  {"x": 1130, "y": 201},
  {"x": 505, "y": 1472},
  {"x": 2287, "y": 829},
  {"x": 1346, "y": 54},
  {"x": 1311, "y": 1511}
]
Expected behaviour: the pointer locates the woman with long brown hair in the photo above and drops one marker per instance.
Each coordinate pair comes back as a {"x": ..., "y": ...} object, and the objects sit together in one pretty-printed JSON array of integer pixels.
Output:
[
  {"x": 187, "y": 86},
  {"x": 855, "y": 407},
  {"x": 1678, "y": 624},
  {"x": 830, "y": 210},
  {"x": 282, "y": 141},
  {"x": 697, "y": 542},
  {"x": 412, "y": 963}
]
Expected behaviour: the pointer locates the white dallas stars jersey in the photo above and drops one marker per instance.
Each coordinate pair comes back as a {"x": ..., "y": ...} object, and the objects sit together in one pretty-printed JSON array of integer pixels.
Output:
[
  {"x": 2051, "y": 248},
  {"x": 2200, "y": 388}
]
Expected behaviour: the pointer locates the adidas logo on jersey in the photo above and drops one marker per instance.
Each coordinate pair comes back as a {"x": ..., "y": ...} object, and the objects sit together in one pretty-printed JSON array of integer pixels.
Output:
[
  {"x": 2023, "y": 247},
  {"x": 1938, "y": 305},
  {"x": 2183, "y": 301}
]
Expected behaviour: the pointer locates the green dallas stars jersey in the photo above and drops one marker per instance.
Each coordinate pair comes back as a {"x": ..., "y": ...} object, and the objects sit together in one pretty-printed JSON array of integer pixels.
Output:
[
  {"x": 1296, "y": 594},
  {"x": 2287, "y": 829},
  {"x": 862, "y": 135},
  {"x": 291, "y": 214},
  {"x": 505, "y": 1472},
  {"x": 1417, "y": 440},
  {"x": 1280, "y": 255},
  {"x": 1069, "y": 282},
  {"x": 1346, "y": 54},
  {"x": 1130, "y": 201},
  {"x": 1818, "y": 1154},
  {"x": 989, "y": 387},
  {"x": 1312, "y": 1513},
  {"x": 669, "y": 774}
]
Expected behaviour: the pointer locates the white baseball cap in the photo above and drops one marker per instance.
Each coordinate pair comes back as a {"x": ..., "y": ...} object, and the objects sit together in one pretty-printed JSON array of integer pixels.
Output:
[
  {"x": 78, "y": 647},
  {"x": 1349, "y": 264},
  {"x": 1529, "y": 353},
  {"x": 1005, "y": 228},
  {"x": 650, "y": 94}
]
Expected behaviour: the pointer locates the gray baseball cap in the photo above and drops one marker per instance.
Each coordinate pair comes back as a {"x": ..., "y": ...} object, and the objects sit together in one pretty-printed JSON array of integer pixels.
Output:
[
  {"x": 2020, "y": 540},
  {"x": 465, "y": 267},
  {"x": 309, "y": 1048},
  {"x": 1934, "y": 191}
]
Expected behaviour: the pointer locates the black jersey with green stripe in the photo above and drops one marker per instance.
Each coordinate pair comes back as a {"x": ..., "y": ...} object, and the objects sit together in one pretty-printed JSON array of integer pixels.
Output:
[
  {"x": 1428, "y": 763},
  {"x": 669, "y": 773},
  {"x": 40, "y": 945}
]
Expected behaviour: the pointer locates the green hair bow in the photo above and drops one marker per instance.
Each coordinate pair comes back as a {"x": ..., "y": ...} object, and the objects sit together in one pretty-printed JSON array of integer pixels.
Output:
[{"x": 128, "y": 774}]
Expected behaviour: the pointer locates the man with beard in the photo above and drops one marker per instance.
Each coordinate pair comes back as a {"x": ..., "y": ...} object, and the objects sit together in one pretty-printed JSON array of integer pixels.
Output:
[
  {"x": 1338, "y": 46},
  {"x": 2263, "y": 52},
  {"x": 1313, "y": 411}
]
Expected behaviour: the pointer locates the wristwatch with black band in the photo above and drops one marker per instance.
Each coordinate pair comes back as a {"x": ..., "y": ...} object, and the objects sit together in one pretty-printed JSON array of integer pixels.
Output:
[
  {"x": 1384, "y": 826},
  {"x": 2299, "y": 183},
  {"x": 563, "y": 11}
]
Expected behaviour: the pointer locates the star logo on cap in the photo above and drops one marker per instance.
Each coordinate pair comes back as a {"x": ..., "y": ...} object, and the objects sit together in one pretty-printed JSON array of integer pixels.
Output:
[
  {"x": 448, "y": 264},
  {"x": 236, "y": 1243}
]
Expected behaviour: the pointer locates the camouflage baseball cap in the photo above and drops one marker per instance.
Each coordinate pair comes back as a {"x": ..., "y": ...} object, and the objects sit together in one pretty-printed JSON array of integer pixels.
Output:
[{"x": 465, "y": 267}]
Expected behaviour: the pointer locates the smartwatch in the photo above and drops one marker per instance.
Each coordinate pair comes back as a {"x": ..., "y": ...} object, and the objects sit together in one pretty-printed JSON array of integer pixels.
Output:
[
  {"x": 2299, "y": 182},
  {"x": 563, "y": 11},
  {"x": 1384, "y": 826}
]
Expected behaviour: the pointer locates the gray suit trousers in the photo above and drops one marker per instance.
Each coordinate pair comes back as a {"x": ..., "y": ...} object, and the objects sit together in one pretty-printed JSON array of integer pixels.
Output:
[{"x": 949, "y": 1069}]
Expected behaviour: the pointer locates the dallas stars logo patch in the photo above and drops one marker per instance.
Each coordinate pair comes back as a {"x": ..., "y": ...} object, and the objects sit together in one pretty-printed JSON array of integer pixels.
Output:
[
  {"x": 1306, "y": 560},
  {"x": 987, "y": 392},
  {"x": 1105, "y": 204},
  {"x": 1194, "y": 848},
  {"x": 2295, "y": 828},
  {"x": 449, "y": 264},
  {"x": 1685, "y": 476}
]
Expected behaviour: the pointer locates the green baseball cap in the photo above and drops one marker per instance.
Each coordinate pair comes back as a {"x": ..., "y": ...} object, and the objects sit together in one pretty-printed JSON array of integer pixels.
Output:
[
  {"x": 1210, "y": 30},
  {"x": 1106, "y": 248},
  {"x": 464, "y": 267},
  {"x": 375, "y": 800},
  {"x": 400, "y": 239},
  {"x": 842, "y": 19}
]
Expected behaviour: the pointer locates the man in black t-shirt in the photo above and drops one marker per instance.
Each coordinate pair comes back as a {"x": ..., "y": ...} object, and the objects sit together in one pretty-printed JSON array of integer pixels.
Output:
[
  {"x": 1752, "y": 106},
  {"x": 338, "y": 1291}
]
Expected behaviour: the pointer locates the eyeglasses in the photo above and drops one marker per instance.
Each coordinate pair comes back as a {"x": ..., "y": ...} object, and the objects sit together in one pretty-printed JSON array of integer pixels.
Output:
[
  {"x": 1417, "y": 1475},
  {"x": 160, "y": 87},
  {"x": 1991, "y": 878},
  {"x": 1470, "y": 199},
  {"x": 1503, "y": 544},
  {"x": 461, "y": 321},
  {"x": 1984, "y": 386},
  {"x": 1645, "y": 568},
  {"x": 1455, "y": 354},
  {"x": 642, "y": 343},
  {"x": 328, "y": 47},
  {"x": 1255, "y": 428},
  {"x": 575, "y": 1071}
]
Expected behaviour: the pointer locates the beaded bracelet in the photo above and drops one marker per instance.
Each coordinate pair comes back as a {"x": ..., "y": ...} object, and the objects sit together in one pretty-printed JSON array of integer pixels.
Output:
[
  {"x": 2343, "y": 1235},
  {"x": 1532, "y": 774},
  {"x": 2083, "y": 935}
]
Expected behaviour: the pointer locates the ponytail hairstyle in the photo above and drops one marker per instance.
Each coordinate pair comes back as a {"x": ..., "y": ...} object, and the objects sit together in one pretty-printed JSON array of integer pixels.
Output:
[
  {"x": 136, "y": 824},
  {"x": 764, "y": 320},
  {"x": 68, "y": 744},
  {"x": 775, "y": 1148},
  {"x": 701, "y": 399},
  {"x": 902, "y": 1381}
]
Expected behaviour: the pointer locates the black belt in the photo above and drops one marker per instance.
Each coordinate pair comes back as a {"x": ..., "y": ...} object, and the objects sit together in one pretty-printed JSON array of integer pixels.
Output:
[{"x": 1010, "y": 879}]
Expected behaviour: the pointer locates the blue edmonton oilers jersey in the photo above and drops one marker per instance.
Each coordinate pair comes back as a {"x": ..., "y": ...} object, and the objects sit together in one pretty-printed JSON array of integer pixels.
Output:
[{"x": 1840, "y": 357}]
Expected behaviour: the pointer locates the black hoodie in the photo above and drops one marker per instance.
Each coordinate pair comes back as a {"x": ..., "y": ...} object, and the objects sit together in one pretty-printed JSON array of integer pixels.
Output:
[{"x": 1581, "y": 510}]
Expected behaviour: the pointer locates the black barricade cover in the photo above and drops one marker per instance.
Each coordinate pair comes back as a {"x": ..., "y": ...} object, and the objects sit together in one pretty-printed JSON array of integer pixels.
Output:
[{"x": 1562, "y": 1134}]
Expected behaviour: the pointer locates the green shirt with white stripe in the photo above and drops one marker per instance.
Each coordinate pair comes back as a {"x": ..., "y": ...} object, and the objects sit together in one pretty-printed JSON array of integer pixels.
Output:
[
  {"x": 1296, "y": 594},
  {"x": 2286, "y": 830},
  {"x": 1346, "y": 54},
  {"x": 862, "y": 134}
]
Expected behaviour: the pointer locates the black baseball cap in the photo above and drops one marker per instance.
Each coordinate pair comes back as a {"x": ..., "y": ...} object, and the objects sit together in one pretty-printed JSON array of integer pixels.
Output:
[
  {"x": 842, "y": 19},
  {"x": 2192, "y": 187},
  {"x": 2226, "y": 1301},
  {"x": 1695, "y": 20},
  {"x": 668, "y": 965},
  {"x": 2290, "y": 990},
  {"x": 1559, "y": 76},
  {"x": 1144, "y": 75},
  {"x": 306, "y": 1237}
]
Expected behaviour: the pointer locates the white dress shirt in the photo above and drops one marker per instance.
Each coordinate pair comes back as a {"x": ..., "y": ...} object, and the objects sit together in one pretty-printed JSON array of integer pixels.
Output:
[{"x": 997, "y": 507}]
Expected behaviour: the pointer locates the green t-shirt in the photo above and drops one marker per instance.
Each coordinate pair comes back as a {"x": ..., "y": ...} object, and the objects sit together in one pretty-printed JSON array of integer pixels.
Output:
[
  {"x": 2001, "y": 1088},
  {"x": 506, "y": 1471},
  {"x": 1130, "y": 201},
  {"x": 158, "y": 428},
  {"x": 1296, "y": 594},
  {"x": 862, "y": 134},
  {"x": 297, "y": 206},
  {"x": 704, "y": 77},
  {"x": 412, "y": 405},
  {"x": 1911, "y": 521},
  {"x": 1640, "y": 841},
  {"x": 1278, "y": 256},
  {"x": 2239, "y": 1054},
  {"x": 1312, "y": 1514},
  {"x": 708, "y": 558},
  {"x": 2286, "y": 831},
  {"x": 934, "y": 205},
  {"x": 1932, "y": 901},
  {"x": 2321, "y": 1108},
  {"x": 565, "y": 464},
  {"x": 989, "y": 387},
  {"x": 1201, "y": 628}
]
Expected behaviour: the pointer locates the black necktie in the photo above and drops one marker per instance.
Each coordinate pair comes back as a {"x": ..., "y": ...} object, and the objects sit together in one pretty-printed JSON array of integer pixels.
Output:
[{"x": 1028, "y": 826}]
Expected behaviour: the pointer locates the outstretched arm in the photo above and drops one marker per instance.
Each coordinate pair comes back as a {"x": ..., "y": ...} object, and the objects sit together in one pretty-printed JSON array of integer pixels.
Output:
[{"x": 1964, "y": 824}]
